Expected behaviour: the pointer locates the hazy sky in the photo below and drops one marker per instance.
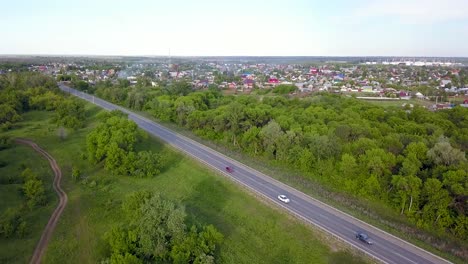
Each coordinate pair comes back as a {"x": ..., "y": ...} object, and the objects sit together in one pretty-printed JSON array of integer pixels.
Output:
[{"x": 237, "y": 27}]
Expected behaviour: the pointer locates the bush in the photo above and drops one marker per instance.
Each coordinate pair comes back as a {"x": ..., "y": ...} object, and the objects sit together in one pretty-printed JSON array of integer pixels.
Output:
[
  {"x": 34, "y": 191},
  {"x": 76, "y": 173},
  {"x": 12, "y": 224},
  {"x": 5, "y": 142}
]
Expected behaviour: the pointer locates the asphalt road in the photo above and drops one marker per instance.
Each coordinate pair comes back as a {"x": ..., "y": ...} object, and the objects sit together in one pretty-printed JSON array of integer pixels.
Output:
[{"x": 386, "y": 248}]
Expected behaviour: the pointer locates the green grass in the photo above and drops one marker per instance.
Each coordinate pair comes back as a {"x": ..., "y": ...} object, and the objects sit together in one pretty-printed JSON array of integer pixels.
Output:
[
  {"x": 17, "y": 158},
  {"x": 254, "y": 231}
]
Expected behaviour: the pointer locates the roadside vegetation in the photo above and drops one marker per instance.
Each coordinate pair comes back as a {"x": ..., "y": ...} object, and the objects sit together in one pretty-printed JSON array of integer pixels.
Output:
[
  {"x": 407, "y": 168},
  {"x": 113, "y": 198}
]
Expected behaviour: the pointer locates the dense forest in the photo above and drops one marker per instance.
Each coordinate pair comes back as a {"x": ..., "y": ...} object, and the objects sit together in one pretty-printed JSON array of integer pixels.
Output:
[{"x": 409, "y": 159}]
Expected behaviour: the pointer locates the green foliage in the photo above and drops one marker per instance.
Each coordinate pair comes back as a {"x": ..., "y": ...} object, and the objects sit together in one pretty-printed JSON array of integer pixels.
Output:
[
  {"x": 284, "y": 89},
  {"x": 114, "y": 136},
  {"x": 197, "y": 247},
  {"x": 81, "y": 85},
  {"x": 70, "y": 113},
  {"x": 28, "y": 175},
  {"x": 5, "y": 142},
  {"x": 34, "y": 191},
  {"x": 179, "y": 88},
  {"x": 155, "y": 231},
  {"x": 12, "y": 224},
  {"x": 8, "y": 116},
  {"x": 44, "y": 100},
  {"x": 443, "y": 153},
  {"x": 76, "y": 173},
  {"x": 113, "y": 142},
  {"x": 148, "y": 164}
]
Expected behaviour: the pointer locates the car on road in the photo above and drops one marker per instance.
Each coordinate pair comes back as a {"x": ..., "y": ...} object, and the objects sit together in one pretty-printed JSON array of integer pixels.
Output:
[
  {"x": 229, "y": 169},
  {"x": 364, "y": 238},
  {"x": 283, "y": 198}
]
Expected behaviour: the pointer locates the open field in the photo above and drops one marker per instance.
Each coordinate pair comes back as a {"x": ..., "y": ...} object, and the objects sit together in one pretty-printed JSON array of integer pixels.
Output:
[{"x": 254, "y": 232}]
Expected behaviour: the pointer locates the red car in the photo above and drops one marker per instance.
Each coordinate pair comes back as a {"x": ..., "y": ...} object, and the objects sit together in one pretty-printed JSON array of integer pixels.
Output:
[{"x": 229, "y": 169}]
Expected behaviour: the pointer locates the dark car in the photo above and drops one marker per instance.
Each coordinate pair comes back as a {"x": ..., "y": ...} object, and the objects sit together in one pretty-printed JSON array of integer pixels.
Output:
[
  {"x": 364, "y": 238},
  {"x": 229, "y": 169}
]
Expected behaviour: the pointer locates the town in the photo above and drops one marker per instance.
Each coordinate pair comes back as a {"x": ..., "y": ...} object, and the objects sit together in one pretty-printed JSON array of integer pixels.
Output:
[{"x": 435, "y": 84}]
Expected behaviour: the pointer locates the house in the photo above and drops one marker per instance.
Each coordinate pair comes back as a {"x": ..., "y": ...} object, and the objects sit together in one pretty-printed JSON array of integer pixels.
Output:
[
  {"x": 465, "y": 103},
  {"x": 419, "y": 95},
  {"x": 366, "y": 88},
  {"x": 445, "y": 82},
  {"x": 339, "y": 77},
  {"x": 248, "y": 83},
  {"x": 202, "y": 83},
  {"x": 232, "y": 85},
  {"x": 327, "y": 85},
  {"x": 403, "y": 94},
  {"x": 313, "y": 70},
  {"x": 273, "y": 80}
]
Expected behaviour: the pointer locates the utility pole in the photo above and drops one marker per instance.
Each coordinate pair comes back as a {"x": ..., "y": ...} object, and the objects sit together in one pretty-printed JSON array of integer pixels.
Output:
[{"x": 169, "y": 56}]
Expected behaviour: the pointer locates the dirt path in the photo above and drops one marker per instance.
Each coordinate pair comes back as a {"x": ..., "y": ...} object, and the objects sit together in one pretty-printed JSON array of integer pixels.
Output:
[{"x": 47, "y": 233}]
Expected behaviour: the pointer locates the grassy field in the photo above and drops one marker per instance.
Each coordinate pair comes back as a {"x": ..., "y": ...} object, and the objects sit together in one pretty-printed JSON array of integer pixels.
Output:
[
  {"x": 17, "y": 158},
  {"x": 254, "y": 231}
]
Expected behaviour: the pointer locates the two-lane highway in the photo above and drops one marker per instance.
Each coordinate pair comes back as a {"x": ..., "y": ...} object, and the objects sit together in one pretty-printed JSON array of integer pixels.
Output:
[{"x": 386, "y": 248}]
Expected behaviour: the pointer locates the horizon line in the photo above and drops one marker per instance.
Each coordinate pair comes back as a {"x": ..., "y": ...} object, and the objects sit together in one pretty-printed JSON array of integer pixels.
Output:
[{"x": 208, "y": 56}]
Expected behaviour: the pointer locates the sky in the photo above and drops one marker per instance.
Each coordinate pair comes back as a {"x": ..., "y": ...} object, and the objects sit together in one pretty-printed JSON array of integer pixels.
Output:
[{"x": 235, "y": 28}]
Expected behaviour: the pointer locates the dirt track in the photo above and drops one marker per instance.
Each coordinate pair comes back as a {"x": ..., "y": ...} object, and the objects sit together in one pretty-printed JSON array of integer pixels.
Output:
[{"x": 47, "y": 233}]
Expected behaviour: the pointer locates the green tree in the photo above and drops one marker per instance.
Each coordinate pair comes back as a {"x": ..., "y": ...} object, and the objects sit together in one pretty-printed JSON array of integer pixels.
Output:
[
  {"x": 414, "y": 189},
  {"x": 70, "y": 113},
  {"x": 148, "y": 164},
  {"x": 160, "y": 226},
  {"x": 115, "y": 132},
  {"x": 12, "y": 223},
  {"x": 28, "y": 174},
  {"x": 270, "y": 135},
  {"x": 8, "y": 116},
  {"x": 197, "y": 247},
  {"x": 127, "y": 258},
  {"x": 444, "y": 153},
  {"x": 76, "y": 173},
  {"x": 34, "y": 191},
  {"x": 378, "y": 162},
  {"x": 436, "y": 201},
  {"x": 402, "y": 191}
]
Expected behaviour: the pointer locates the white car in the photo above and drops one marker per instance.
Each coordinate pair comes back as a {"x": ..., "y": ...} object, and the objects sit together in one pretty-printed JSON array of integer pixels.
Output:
[{"x": 283, "y": 198}]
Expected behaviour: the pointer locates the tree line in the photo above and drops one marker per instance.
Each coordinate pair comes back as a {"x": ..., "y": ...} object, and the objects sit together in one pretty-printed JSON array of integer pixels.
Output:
[
  {"x": 409, "y": 159},
  {"x": 27, "y": 91}
]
